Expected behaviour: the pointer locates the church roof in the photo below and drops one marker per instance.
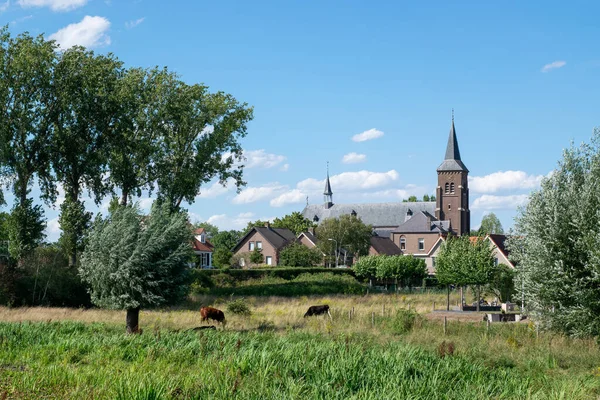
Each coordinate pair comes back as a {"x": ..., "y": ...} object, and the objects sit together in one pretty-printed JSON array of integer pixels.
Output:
[
  {"x": 327, "y": 191},
  {"x": 375, "y": 214},
  {"x": 452, "y": 161},
  {"x": 423, "y": 222}
]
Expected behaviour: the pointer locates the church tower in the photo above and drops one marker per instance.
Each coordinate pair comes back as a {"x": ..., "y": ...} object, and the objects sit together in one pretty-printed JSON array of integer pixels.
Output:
[
  {"x": 327, "y": 193},
  {"x": 452, "y": 194}
]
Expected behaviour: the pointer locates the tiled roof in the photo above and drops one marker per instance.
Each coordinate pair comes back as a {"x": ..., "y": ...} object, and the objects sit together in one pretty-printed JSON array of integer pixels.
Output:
[
  {"x": 206, "y": 246},
  {"x": 277, "y": 237},
  {"x": 423, "y": 222},
  {"x": 375, "y": 214},
  {"x": 310, "y": 237},
  {"x": 383, "y": 245}
]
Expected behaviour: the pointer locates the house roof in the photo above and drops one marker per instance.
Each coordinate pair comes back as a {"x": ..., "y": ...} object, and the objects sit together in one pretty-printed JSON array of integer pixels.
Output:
[
  {"x": 199, "y": 231},
  {"x": 206, "y": 246},
  {"x": 423, "y": 222},
  {"x": 383, "y": 245},
  {"x": 500, "y": 242},
  {"x": 277, "y": 237},
  {"x": 309, "y": 236},
  {"x": 375, "y": 214},
  {"x": 452, "y": 161}
]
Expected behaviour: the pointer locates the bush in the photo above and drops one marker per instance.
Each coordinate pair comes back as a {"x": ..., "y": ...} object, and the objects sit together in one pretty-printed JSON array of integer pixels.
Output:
[
  {"x": 238, "y": 307},
  {"x": 298, "y": 255},
  {"x": 404, "y": 321}
]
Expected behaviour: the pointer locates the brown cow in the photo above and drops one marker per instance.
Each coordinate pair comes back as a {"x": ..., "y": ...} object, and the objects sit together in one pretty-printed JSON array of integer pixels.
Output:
[{"x": 212, "y": 313}]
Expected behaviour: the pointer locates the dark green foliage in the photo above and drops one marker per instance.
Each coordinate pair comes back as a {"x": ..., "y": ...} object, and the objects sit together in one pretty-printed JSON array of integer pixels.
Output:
[
  {"x": 256, "y": 256},
  {"x": 25, "y": 228},
  {"x": 295, "y": 222},
  {"x": 74, "y": 221},
  {"x": 406, "y": 270},
  {"x": 502, "y": 283},
  {"x": 222, "y": 257},
  {"x": 404, "y": 321},
  {"x": 298, "y": 255},
  {"x": 346, "y": 233},
  {"x": 132, "y": 262},
  {"x": 462, "y": 262},
  {"x": 226, "y": 239},
  {"x": 239, "y": 307}
]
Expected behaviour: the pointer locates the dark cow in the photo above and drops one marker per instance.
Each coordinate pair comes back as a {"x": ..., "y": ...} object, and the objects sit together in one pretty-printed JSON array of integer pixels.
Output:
[
  {"x": 317, "y": 310},
  {"x": 212, "y": 313}
]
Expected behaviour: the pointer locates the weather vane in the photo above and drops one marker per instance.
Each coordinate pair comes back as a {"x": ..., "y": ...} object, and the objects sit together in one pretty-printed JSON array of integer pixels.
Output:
[{"x": 452, "y": 114}]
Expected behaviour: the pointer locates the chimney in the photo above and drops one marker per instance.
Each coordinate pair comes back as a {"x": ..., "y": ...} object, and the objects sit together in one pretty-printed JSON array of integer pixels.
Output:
[{"x": 268, "y": 224}]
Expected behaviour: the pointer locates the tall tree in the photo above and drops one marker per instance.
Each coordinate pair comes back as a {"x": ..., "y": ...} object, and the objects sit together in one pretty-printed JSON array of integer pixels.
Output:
[
  {"x": 557, "y": 242},
  {"x": 133, "y": 262},
  {"x": 490, "y": 224},
  {"x": 295, "y": 222},
  {"x": 134, "y": 145},
  {"x": 463, "y": 262},
  {"x": 26, "y": 109},
  {"x": 200, "y": 133},
  {"x": 298, "y": 255},
  {"x": 347, "y": 233},
  {"x": 87, "y": 103}
]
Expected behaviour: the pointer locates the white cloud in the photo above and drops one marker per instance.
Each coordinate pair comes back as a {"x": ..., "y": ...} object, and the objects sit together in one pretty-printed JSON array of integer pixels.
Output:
[
  {"x": 258, "y": 193},
  {"x": 225, "y": 222},
  {"x": 258, "y": 159},
  {"x": 490, "y": 202},
  {"x": 55, "y": 5},
  {"x": 553, "y": 65},
  {"x": 216, "y": 189},
  {"x": 354, "y": 158},
  {"x": 19, "y": 20},
  {"x": 292, "y": 197},
  {"x": 284, "y": 167},
  {"x": 90, "y": 32},
  {"x": 504, "y": 180},
  {"x": 145, "y": 203},
  {"x": 367, "y": 135},
  {"x": 4, "y": 6},
  {"x": 134, "y": 23},
  {"x": 53, "y": 226},
  {"x": 350, "y": 181}
]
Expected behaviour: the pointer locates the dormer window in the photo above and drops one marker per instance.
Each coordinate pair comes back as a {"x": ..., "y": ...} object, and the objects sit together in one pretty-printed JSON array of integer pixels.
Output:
[
  {"x": 202, "y": 238},
  {"x": 409, "y": 212},
  {"x": 353, "y": 213},
  {"x": 315, "y": 219}
]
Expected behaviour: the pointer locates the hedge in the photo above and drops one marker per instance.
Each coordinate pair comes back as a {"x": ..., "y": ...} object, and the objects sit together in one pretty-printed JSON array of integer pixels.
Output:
[{"x": 287, "y": 273}]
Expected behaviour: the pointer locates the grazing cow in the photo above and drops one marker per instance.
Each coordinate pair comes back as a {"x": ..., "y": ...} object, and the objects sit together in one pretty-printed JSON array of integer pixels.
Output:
[
  {"x": 317, "y": 310},
  {"x": 212, "y": 313}
]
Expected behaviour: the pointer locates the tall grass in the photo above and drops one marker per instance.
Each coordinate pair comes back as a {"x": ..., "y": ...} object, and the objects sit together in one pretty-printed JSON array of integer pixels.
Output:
[{"x": 76, "y": 360}]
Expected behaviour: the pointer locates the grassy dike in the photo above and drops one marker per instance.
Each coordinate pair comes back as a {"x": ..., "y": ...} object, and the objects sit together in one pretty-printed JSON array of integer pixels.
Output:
[{"x": 275, "y": 353}]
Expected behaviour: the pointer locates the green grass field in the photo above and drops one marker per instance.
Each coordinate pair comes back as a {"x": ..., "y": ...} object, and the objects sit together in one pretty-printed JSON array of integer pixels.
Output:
[{"x": 275, "y": 353}]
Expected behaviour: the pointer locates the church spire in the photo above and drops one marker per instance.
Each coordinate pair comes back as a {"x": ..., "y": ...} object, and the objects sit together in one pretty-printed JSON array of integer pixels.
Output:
[
  {"x": 452, "y": 161},
  {"x": 327, "y": 192}
]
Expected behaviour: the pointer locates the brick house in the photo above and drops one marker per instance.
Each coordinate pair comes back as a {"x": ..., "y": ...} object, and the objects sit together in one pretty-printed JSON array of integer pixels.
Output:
[
  {"x": 203, "y": 249},
  {"x": 265, "y": 238}
]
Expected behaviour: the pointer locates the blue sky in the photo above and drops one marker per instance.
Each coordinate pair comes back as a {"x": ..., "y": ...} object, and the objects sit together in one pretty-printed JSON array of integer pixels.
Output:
[{"x": 523, "y": 80}]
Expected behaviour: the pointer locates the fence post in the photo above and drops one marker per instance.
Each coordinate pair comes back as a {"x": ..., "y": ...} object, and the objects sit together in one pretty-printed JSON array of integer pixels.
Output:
[
  {"x": 433, "y": 309},
  {"x": 353, "y": 311},
  {"x": 445, "y": 325},
  {"x": 383, "y": 310},
  {"x": 487, "y": 324},
  {"x": 349, "y": 315}
]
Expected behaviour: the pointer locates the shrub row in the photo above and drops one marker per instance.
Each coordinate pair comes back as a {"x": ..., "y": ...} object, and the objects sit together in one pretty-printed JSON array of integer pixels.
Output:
[{"x": 287, "y": 273}]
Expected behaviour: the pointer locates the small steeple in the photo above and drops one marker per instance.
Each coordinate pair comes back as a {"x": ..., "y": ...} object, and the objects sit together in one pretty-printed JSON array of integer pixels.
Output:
[
  {"x": 327, "y": 192},
  {"x": 452, "y": 161}
]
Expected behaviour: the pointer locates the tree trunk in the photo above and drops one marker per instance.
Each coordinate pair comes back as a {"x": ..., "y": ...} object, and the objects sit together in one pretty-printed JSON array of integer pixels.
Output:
[
  {"x": 133, "y": 318},
  {"x": 462, "y": 299},
  {"x": 448, "y": 298},
  {"x": 478, "y": 297},
  {"x": 124, "y": 197},
  {"x": 73, "y": 258}
]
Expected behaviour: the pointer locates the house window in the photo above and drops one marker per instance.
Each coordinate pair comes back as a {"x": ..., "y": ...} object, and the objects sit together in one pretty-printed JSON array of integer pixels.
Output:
[
  {"x": 202, "y": 240},
  {"x": 204, "y": 259},
  {"x": 496, "y": 261},
  {"x": 433, "y": 262},
  {"x": 251, "y": 246},
  {"x": 447, "y": 188},
  {"x": 421, "y": 244},
  {"x": 269, "y": 260},
  {"x": 259, "y": 245},
  {"x": 452, "y": 187},
  {"x": 402, "y": 243}
]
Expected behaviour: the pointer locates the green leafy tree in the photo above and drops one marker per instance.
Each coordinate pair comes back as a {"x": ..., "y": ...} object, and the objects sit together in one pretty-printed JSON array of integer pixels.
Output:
[
  {"x": 425, "y": 197},
  {"x": 366, "y": 267},
  {"x": 134, "y": 146},
  {"x": 256, "y": 256},
  {"x": 412, "y": 199},
  {"x": 295, "y": 222},
  {"x": 252, "y": 224},
  {"x": 490, "y": 224},
  {"x": 556, "y": 245},
  {"x": 348, "y": 233},
  {"x": 86, "y": 106},
  {"x": 222, "y": 257},
  {"x": 26, "y": 109},
  {"x": 298, "y": 255},
  {"x": 463, "y": 262},
  {"x": 200, "y": 140},
  {"x": 210, "y": 229},
  {"x": 132, "y": 262},
  {"x": 226, "y": 239},
  {"x": 502, "y": 283}
]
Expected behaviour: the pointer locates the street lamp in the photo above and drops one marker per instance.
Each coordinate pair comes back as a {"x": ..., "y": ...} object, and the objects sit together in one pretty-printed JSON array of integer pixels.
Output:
[{"x": 336, "y": 257}]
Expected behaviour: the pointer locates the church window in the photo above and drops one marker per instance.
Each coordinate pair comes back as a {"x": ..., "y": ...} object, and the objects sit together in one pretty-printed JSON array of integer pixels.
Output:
[
  {"x": 402, "y": 243},
  {"x": 452, "y": 187},
  {"x": 449, "y": 207},
  {"x": 447, "y": 188}
]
